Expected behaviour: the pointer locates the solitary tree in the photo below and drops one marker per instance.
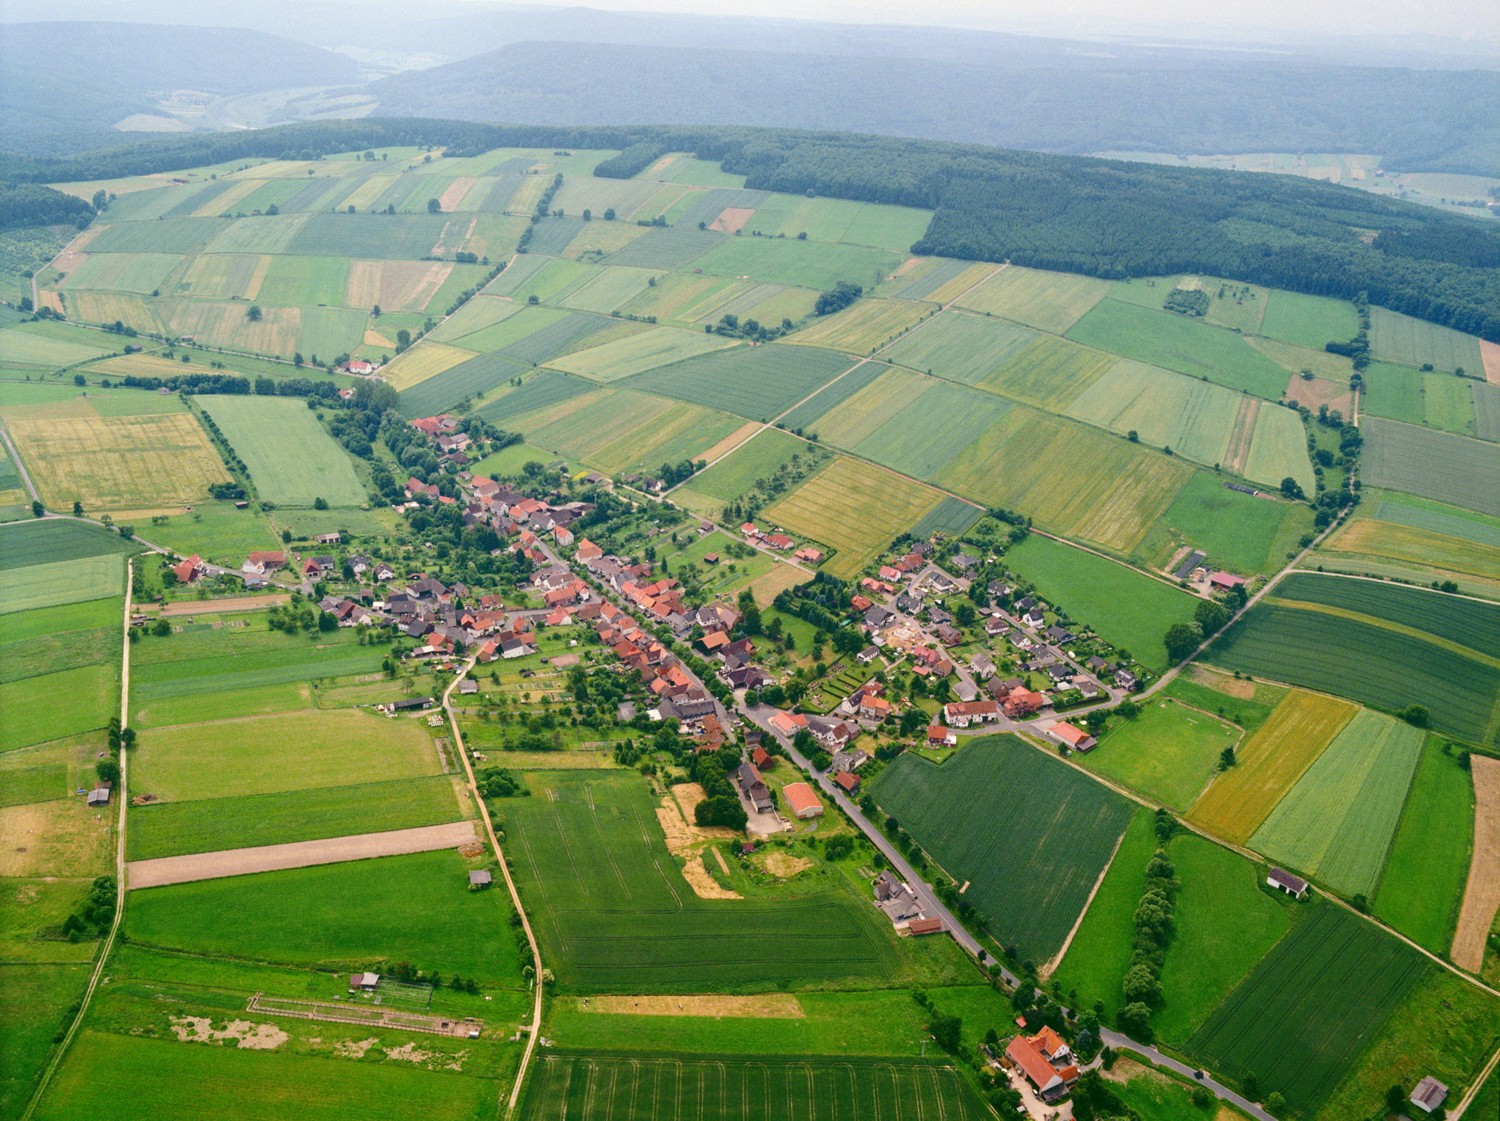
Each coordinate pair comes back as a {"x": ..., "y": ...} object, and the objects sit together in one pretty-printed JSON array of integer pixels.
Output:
[
  {"x": 434, "y": 206},
  {"x": 1181, "y": 640},
  {"x": 77, "y": 508},
  {"x": 254, "y": 313}
]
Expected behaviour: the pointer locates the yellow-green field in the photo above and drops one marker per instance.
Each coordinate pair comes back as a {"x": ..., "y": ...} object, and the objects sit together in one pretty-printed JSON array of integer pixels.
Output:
[
  {"x": 617, "y": 430},
  {"x": 637, "y": 353},
  {"x": 1051, "y": 301},
  {"x": 423, "y": 362},
  {"x": 864, "y": 327}
]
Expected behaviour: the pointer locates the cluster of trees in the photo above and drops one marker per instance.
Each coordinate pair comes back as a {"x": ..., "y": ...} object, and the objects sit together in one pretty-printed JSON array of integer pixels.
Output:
[
  {"x": 732, "y": 327},
  {"x": 1187, "y": 301},
  {"x": 94, "y": 914},
  {"x": 632, "y": 161},
  {"x": 497, "y": 782},
  {"x": 1141, "y": 984},
  {"x": 1356, "y": 349},
  {"x": 1209, "y": 618},
  {"x": 768, "y": 487},
  {"x": 711, "y": 771},
  {"x": 300, "y": 614},
  {"x": 822, "y": 601},
  {"x": 837, "y": 298},
  {"x": 543, "y": 208},
  {"x": 30, "y": 204}
]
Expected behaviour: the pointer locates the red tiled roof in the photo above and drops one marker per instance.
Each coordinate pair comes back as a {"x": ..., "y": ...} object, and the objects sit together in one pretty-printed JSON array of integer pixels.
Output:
[
  {"x": 799, "y": 796},
  {"x": 1038, "y": 1071}
]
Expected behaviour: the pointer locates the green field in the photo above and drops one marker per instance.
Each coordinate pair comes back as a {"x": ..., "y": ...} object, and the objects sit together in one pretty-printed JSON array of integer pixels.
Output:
[
  {"x": 541, "y": 390},
  {"x": 1308, "y": 321},
  {"x": 854, "y": 508},
  {"x": 358, "y": 915},
  {"x": 1169, "y": 752},
  {"x": 842, "y": 220},
  {"x": 292, "y": 458},
  {"x": 615, "y": 914},
  {"x": 863, "y": 327},
  {"x": 1334, "y": 968},
  {"x": 304, "y": 281},
  {"x": 966, "y": 348},
  {"x": 1424, "y": 877},
  {"x": 1130, "y": 610},
  {"x": 760, "y": 457},
  {"x": 467, "y": 380},
  {"x": 637, "y": 353},
  {"x": 672, "y": 1088},
  {"x": 1030, "y": 863},
  {"x": 759, "y": 383},
  {"x": 1100, "y": 952},
  {"x": 618, "y": 431},
  {"x": 211, "y": 824},
  {"x": 1461, "y": 622},
  {"x": 1164, "y": 339},
  {"x": 1050, "y": 301},
  {"x": 274, "y": 754},
  {"x": 1436, "y": 465},
  {"x": 57, "y": 539},
  {"x": 1195, "y": 419},
  {"x": 61, "y": 582},
  {"x": 1336, "y": 824},
  {"x": 1238, "y": 532},
  {"x": 1413, "y": 342},
  {"x": 1367, "y": 663},
  {"x": 1224, "y": 922},
  {"x": 35, "y": 1004},
  {"x": 803, "y": 264},
  {"x": 171, "y": 1081},
  {"x": 29, "y": 713}
]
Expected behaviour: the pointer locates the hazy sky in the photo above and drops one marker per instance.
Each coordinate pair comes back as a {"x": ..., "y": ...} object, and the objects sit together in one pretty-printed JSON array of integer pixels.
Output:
[{"x": 1458, "y": 19}]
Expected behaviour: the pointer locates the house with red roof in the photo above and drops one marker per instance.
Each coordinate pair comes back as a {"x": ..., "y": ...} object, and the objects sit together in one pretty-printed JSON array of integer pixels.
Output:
[
  {"x": 940, "y": 736},
  {"x": 787, "y": 723},
  {"x": 874, "y": 708},
  {"x": 801, "y": 800},
  {"x": 1045, "y": 1061},
  {"x": 1072, "y": 736},
  {"x": 188, "y": 570}
]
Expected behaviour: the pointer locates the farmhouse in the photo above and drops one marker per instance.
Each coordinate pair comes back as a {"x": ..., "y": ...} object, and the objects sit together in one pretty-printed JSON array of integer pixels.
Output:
[
  {"x": 262, "y": 563},
  {"x": 801, "y": 800},
  {"x": 1045, "y": 1061},
  {"x": 1071, "y": 736},
  {"x": 1429, "y": 1095},
  {"x": 1295, "y": 886},
  {"x": 896, "y": 898},
  {"x": 188, "y": 570},
  {"x": 961, "y": 714},
  {"x": 847, "y": 780},
  {"x": 754, "y": 788},
  {"x": 940, "y": 736}
]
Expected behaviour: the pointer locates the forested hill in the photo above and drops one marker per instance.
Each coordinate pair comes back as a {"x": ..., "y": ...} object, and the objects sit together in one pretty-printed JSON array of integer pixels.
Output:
[
  {"x": 1099, "y": 217},
  {"x": 1055, "y": 102},
  {"x": 66, "y": 84}
]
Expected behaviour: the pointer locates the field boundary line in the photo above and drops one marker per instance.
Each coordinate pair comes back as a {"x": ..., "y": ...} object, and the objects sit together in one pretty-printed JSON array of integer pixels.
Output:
[
  {"x": 122, "y": 792},
  {"x": 15, "y": 457},
  {"x": 1468, "y": 1099},
  {"x": 535, "y": 1030},
  {"x": 1057, "y": 958},
  {"x": 1388, "y": 625}
]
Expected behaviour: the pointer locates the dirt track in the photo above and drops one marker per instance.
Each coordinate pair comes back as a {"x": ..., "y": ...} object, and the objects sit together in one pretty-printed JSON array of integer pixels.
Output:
[
  {"x": 1482, "y": 896},
  {"x": 299, "y": 854}
]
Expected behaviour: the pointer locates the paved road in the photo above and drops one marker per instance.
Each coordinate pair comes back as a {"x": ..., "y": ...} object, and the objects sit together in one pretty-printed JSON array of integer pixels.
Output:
[{"x": 1120, "y": 1042}]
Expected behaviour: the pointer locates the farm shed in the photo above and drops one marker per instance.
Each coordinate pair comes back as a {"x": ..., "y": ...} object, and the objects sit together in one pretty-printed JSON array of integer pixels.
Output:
[
  {"x": 924, "y": 926},
  {"x": 480, "y": 878},
  {"x": 802, "y": 801},
  {"x": 364, "y": 982},
  {"x": 99, "y": 796},
  {"x": 1429, "y": 1095},
  {"x": 414, "y": 704},
  {"x": 1071, "y": 736},
  {"x": 1294, "y": 886}
]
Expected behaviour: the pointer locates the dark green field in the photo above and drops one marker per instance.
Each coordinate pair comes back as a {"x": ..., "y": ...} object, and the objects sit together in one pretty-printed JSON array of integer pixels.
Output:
[
  {"x": 615, "y": 913},
  {"x": 1366, "y": 663},
  {"x": 1466, "y": 622},
  {"x": 57, "y": 539},
  {"x": 1302, "y": 1017},
  {"x": 759, "y": 383},
  {"x": 628, "y": 1087},
  {"x": 1030, "y": 834},
  {"x": 467, "y": 379}
]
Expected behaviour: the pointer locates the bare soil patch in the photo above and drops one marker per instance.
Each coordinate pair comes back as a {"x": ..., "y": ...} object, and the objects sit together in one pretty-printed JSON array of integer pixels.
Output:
[
  {"x": 688, "y": 841},
  {"x": 1482, "y": 895},
  {"x": 732, "y": 219},
  {"x": 730, "y": 442},
  {"x": 1225, "y": 683},
  {"x": 1239, "y": 441},
  {"x": 906, "y": 266},
  {"x": 375, "y": 338},
  {"x": 1490, "y": 353},
  {"x": 223, "y": 606},
  {"x": 454, "y": 193},
  {"x": 1320, "y": 391},
  {"x": 784, "y": 865},
  {"x": 298, "y": 854},
  {"x": 60, "y": 838},
  {"x": 1127, "y": 1070},
  {"x": 763, "y": 1006},
  {"x": 246, "y": 1035}
]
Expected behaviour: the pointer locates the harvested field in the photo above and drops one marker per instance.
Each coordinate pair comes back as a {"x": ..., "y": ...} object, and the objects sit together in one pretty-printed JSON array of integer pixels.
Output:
[
  {"x": 55, "y": 838},
  {"x": 1320, "y": 391},
  {"x": 1490, "y": 352},
  {"x": 1270, "y": 763},
  {"x": 394, "y": 285},
  {"x": 1482, "y": 895},
  {"x": 119, "y": 463},
  {"x": 1437, "y": 552},
  {"x": 766, "y": 1006},
  {"x": 854, "y": 508},
  {"x": 731, "y": 220},
  {"x": 298, "y": 854}
]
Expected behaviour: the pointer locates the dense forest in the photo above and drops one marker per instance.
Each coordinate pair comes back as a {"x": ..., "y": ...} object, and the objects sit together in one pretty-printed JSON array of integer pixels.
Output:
[
  {"x": 27, "y": 204},
  {"x": 1100, "y": 217},
  {"x": 1079, "y": 104}
]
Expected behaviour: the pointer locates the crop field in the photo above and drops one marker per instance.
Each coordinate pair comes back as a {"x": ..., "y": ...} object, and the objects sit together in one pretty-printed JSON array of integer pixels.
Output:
[
  {"x": 1473, "y": 625},
  {"x": 542, "y": 390},
  {"x": 469, "y": 379},
  {"x": 635, "y": 354},
  {"x": 1424, "y": 877},
  {"x": 60, "y": 582},
  {"x": 673, "y": 248},
  {"x": 1169, "y": 752},
  {"x": 560, "y": 337},
  {"x": 1224, "y": 922},
  {"x": 1448, "y": 404},
  {"x": 395, "y": 237},
  {"x": 1308, "y": 321},
  {"x": 118, "y": 463},
  {"x": 609, "y": 289},
  {"x": 1439, "y": 465},
  {"x": 140, "y": 273},
  {"x": 169, "y": 235},
  {"x": 1071, "y": 479},
  {"x": 830, "y": 397},
  {"x": 1132, "y": 611},
  {"x": 599, "y": 239},
  {"x": 29, "y": 713},
  {"x": 1367, "y": 663},
  {"x": 292, "y": 458},
  {"x": 1270, "y": 764},
  {"x": 841, "y": 220},
  {"x": 35, "y": 1004},
  {"x": 1238, "y": 532},
  {"x": 299, "y": 281},
  {"x": 422, "y": 362},
  {"x": 1196, "y": 419},
  {"x": 1050, "y": 373},
  {"x": 325, "y": 332},
  {"x": 615, "y": 913},
  {"x": 961, "y": 347},
  {"x": 803, "y": 264},
  {"x": 951, "y": 516},
  {"x": 756, "y": 382},
  {"x": 393, "y": 285},
  {"x": 1099, "y": 953},
  {"x": 24, "y": 345},
  {"x": 1031, "y": 863},
  {"x": 618, "y": 431},
  {"x": 1336, "y": 824},
  {"x": 864, "y": 327},
  {"x": 759, "y": 457},
  {"x": 1413, "y": 342},
  {"x": 1486, "y": 409},
  {"x": 854, "y": 508},
  {"x": 275, "y": 754},
  {"x": 1435, "y": 554},
  {"x": 228, "y": 325},
  {"x": 1163, "y": 339},
  {"x": 631, "y": 1087},
  {"x": 43, "y": 542},
  {"x": 1334, "y": 968},
  {"x": 413, "y": 908},
  {"x": 1049, "y": 301},
  {"x": 937, "y": 280},
  {"x": 172, "y": 1081},
  {"x": 480, "y": 312}
]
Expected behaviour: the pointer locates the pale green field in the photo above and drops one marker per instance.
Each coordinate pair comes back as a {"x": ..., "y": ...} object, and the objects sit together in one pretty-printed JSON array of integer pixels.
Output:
[
  {"x": 1049, "y": 301},
  {"x": 637, "y": 353},
  {"x": 292, "y": 458}
]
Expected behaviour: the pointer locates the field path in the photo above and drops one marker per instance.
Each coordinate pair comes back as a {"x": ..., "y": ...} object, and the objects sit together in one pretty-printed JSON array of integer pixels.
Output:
[
  {"x": 1482, "y": 895},
  {"x": 297, "y": 854},
  {"x": 123, "y": 798},
  {"x": 15, "y": 458},
  {"x": 535, "y": 1030}
]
